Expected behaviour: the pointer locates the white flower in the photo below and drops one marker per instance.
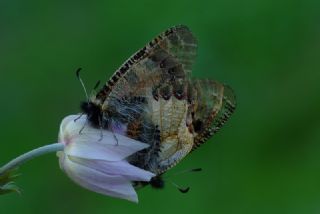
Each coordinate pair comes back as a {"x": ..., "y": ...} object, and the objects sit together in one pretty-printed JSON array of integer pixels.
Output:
[{"x": 97, "y": 162}]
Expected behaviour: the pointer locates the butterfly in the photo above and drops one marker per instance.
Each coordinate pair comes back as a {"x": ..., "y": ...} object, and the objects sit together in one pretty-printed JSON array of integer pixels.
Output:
[{"x": 153, "y": 99}]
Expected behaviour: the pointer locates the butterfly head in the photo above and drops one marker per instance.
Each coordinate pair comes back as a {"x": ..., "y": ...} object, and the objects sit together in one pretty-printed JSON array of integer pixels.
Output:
[{"x": 93, "y": 112}]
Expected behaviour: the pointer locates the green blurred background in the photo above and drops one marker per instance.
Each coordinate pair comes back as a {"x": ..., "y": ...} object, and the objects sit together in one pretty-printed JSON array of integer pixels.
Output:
[{"x": 265, "y": 159}]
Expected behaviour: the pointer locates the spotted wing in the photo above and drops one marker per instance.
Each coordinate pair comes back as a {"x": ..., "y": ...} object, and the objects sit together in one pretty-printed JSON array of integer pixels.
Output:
[
  {"x": 167, "y": 58},
  {"x": 212, "y": 105},
  {"x": 157, "y": 75}
]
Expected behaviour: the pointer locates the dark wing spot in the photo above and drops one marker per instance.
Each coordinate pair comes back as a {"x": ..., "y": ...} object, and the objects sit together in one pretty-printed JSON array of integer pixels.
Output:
[
  {"x": 166, "y": 92},
  {"x": 198, "y": 126},
  {"x": 155, "y": 93},
  {"x": 179, "y": 91}
]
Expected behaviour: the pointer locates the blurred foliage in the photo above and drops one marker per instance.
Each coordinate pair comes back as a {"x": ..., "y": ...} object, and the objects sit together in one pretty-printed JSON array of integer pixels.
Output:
[
  {"x": 265, "y": 159},
  {"x": 7, "y": 184}
]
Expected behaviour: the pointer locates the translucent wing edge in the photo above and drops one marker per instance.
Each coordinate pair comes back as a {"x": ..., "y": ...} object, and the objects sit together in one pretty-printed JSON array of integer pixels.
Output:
[{"x": 219, "y": 119}]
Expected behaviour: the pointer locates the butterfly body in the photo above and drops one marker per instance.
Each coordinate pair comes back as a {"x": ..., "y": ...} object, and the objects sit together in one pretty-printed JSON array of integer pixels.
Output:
[{"x": 153, "y": 96}]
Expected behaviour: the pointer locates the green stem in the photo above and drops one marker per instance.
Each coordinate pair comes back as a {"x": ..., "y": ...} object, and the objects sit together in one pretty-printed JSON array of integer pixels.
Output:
[{"x": 30, "y": 155}]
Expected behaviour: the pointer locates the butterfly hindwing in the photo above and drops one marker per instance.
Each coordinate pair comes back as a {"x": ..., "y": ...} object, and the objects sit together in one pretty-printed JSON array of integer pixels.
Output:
[
  {"x": 212, "y": 105},
  {"x": 176, "y": 140}
]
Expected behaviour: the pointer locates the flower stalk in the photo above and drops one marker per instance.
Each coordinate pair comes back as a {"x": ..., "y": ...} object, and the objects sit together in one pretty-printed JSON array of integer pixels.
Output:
[
  {"x": 8, "y": 172},
  {"x": 30, "y": 155}
]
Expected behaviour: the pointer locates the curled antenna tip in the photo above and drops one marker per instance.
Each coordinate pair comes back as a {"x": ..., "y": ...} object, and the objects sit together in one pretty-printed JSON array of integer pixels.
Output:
[
  {"x": 78, "y": 72},
  {"x": 184, "y": 190},
  {"x": 181, "y": 189},
  {"x": 97, "y": 85}
]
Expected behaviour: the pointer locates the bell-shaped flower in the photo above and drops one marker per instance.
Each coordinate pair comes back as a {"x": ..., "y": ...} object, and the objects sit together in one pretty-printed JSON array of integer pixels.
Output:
[{"x": 96, "y": 159}]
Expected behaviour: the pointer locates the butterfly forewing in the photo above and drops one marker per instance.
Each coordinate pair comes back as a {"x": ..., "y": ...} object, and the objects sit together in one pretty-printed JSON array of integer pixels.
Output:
[
  {"x": 157, "y": 75},
  {"x": 167, "y": 57}
]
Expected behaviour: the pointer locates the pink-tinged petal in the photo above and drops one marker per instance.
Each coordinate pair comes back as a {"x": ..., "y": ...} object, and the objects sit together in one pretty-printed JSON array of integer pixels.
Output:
[
  {"x": 89, "y": 178},
  {"x": 91, "y": 145},
  {"x": 97, "y": 151},
  {"x": 122, "y": 168}
]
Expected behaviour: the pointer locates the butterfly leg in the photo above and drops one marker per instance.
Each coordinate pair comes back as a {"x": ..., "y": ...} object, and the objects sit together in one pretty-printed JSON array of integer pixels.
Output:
[
  {"x": 113, "y": 127},
  {"x": 114, "y": 136},
  {"x": 80, "y": 115},
  {"x": 84, "y": 125},
  {"x": 101, "y": 129}
]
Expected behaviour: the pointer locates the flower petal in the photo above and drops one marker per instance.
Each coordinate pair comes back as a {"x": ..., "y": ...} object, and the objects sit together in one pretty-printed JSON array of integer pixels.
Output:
[
  {"x": 91, "y": 144},
  {"x": 112, "y": 185},
  {"x": 97, "y": 151},
  {"x": 122, "y": 168}
]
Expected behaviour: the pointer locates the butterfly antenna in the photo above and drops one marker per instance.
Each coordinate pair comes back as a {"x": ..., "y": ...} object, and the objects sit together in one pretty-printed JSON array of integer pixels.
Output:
[
  {"x": 81, "y": 82},
  {"x": 96, "y": 85},
  {"x": 181, "y": 189},
  {"x": 185, "y": 171},
  {"x": 188, "y": 171}
]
